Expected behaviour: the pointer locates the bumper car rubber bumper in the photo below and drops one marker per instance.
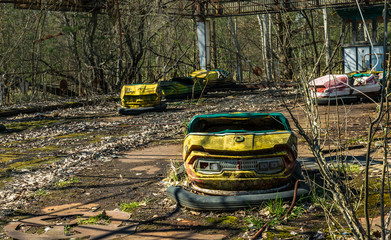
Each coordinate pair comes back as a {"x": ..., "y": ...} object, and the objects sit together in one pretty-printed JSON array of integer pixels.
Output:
[
  {"x": 340, "y": 100},
  {"x": 135, "y": 111},
  {"x": 191, "y": 200}
]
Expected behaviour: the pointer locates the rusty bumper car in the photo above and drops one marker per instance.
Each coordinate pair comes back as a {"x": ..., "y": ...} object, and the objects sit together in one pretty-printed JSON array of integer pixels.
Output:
[
  {"x": 140, "y": 98},
  {"x": 181, "y": 88},
  {"x": 238, "y": 160},
  {"x": 346, "y": 88}
]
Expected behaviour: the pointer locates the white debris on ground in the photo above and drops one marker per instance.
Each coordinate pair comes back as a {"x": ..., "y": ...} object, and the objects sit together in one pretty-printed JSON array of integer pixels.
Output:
[{"x": 147, "y": 127}]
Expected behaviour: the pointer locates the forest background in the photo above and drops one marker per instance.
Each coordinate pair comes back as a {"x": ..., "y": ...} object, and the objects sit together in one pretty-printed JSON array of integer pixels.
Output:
[{"x": 80, "y": 54}]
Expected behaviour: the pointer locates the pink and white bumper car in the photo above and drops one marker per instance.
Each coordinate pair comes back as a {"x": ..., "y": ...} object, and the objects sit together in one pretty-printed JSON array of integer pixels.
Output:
[{"x": 345, "y": 88}]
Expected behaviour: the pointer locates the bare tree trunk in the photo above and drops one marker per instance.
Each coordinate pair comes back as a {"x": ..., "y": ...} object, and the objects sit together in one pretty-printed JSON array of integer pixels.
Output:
[
  {"x": 33, "y": 54},
  {"x": 1, "y": 90},
  {"x": 93, "y": 58},
  {"x": 214, "y": 44},
  {"x": 237, "y": 48},
  {"x": 263, "y": 39},
  {"x": 326, "y": 36},
  {"x": 266, "y": 46},
  {"x": 73, "y": 45},
  {"x": 304, "y": 14},
  {"x": 385, "y": 165}
]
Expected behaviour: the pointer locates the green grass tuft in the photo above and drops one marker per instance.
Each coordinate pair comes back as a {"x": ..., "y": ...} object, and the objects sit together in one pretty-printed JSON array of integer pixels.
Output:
[
  {"x": 101, "y": 218},
  {"x": 64, "y": 183},
  {"x": 129, "y": 207}
]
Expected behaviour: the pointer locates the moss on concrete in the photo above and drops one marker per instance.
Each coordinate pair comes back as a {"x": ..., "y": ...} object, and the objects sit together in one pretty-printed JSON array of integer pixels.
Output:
[
  {"x": 29, "y": 124},
  {"x": 31, "y": 163}
]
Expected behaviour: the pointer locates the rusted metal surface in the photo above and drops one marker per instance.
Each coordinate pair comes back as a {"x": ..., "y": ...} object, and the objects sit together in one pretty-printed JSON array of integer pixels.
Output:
[
  {"x": 64, "y": 5},
  {"x": 236, "y": 193},
  {"x": 222, "y": 8},
  {"x": 194, "y": 8},
  {"x": 239, "y": 152}
]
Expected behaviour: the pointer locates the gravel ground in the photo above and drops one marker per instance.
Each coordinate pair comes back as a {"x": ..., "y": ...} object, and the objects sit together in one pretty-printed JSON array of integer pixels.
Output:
[
  {"x": 39, "y": 150},
  {"x": 117, "y": 134}
]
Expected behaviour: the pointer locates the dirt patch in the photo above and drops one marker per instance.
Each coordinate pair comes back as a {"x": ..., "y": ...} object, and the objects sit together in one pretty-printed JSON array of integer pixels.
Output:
[
  {"x": 126, "y": 179},
  {"x": 172, "y": 235},
  {"x": 70, "y": 223},
  {"x": 153, "y": 160}
]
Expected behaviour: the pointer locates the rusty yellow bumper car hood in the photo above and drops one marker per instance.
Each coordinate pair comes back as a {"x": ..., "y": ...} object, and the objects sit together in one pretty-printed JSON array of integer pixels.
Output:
[
  {"x": 238, "y": 160},
  {"x": 241, "y": 151},
  {"x": 138, "y": 98}
]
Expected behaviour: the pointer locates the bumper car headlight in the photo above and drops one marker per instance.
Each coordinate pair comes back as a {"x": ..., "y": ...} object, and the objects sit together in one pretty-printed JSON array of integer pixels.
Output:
[{"x": 208, "y": 166}]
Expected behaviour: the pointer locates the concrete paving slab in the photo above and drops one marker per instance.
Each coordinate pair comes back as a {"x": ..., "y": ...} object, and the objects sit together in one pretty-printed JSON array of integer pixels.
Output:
[
  {"x": 153, "y": 154},
  {"x": 56, "y": 230},
  {"x": 173, "y": 235}
]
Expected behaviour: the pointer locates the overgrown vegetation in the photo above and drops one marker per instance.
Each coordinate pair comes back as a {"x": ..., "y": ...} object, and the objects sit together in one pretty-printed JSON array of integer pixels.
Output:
[
  {"x": 41, "y": 192},
  {"x": 64, "y": 183},
  {"x": 341, "y": 195},
  {"x": 129, "y": 207},
  {"x": 101, "y": 218},
  {"x": 177, "y": 174}
]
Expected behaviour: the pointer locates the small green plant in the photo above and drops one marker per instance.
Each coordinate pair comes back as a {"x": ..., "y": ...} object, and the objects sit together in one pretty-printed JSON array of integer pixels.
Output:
[
  {"x": 101, "y": 218},
  {"x": 320, "y": 198},
  {"x": 297, "y": 211},
  {"x": 177, "y": 171},
  {"x": 353, "y": 168},
  {"x": 254, "y": 222},
  {"x": 67, "y": 230},
  {"x": 228, "y": 221},
  {"x": 147, "y": 201},
  {"x": 348, "y": 168},
  {"x": 354, "y": 141},
  {"x": 276, "y": 209},
  {"x": 40, "y": 192},
  {"x": 64, "y": 183},
  {"x": 129, "y": 207}
]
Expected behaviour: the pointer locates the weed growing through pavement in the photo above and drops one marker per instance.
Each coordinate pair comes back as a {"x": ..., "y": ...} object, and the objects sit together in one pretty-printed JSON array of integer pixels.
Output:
[
  {"x": 64, "y": 183},
  {"x": 254, "y": 222},
  {"x": 129, "y": 207},
  {"x": 68, "y": 230},
  {"x": 357, "y": 140},
  {"x": 177, "y": 172},
  {"x": 146, "y": 201},
  {"x": 296, "y": 212},
  {"x": 350, "y": 168},
  {"x": 101, "y": 218},
  {"x": 40, "y": 192},
  {"x": 276, "y": 209}
]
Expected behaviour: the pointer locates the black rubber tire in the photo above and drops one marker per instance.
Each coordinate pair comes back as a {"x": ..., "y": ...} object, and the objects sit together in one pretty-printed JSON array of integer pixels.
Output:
[
  {"x": 191, "y": 200},
  {"x": 298, "y": 172},
  {"x": 340, "y": 100},
  {"x": 136, "y": 111},
  {"x": 2, "y": 128}
]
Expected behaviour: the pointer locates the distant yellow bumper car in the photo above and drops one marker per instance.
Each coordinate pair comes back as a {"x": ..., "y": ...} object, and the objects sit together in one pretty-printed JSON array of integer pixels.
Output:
[
  {"x": 213, "y": 78},
  {"x": 140, "y": 98}
]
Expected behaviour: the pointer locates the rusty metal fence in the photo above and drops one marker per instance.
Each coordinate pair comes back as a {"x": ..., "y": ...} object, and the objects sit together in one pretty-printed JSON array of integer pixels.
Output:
[
  {"x": 222, "y": 8},
  {"x": 191, "y": 8}
]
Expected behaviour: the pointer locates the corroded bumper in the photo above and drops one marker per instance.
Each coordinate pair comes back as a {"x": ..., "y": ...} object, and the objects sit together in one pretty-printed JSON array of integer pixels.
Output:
[
  {"x": 190, "y": 200},
  {"x": 135, "y": 111}
]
